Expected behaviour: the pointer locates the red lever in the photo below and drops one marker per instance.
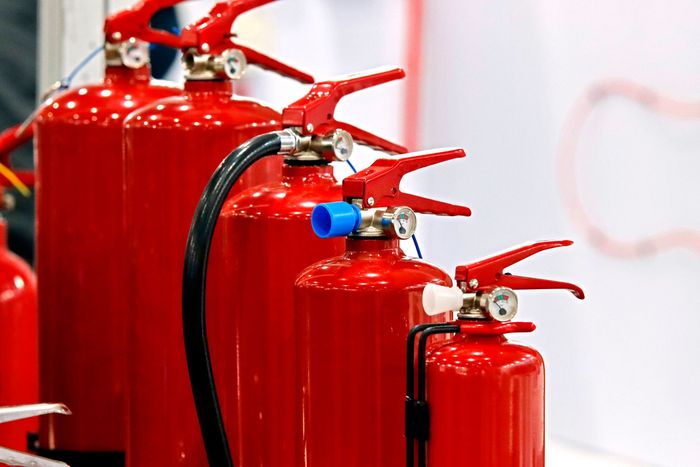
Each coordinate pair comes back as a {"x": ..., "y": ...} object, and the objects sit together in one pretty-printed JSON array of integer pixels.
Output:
[
  {"x": 135, "y": 22},
  {"x": 214, "y": 30},
  {"x": 11, "y": 139},
  {"x": 313, "y": 113},
  {"x": 489, "y": 272},
  {"x": 380, "y": 183}
]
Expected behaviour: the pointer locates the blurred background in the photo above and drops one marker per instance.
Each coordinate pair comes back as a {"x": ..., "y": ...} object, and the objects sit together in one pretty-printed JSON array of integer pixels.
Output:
[{"x": 581, "y": 121}]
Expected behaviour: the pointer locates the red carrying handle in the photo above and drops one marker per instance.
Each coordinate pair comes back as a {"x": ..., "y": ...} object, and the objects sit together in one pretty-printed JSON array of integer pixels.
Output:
[
  {"x": 11, "y": 139},
  {"x": 489, "y": 272},
  {"x": 212, "y": 34},
  {"x": 135, "y": 22},
  {"x": 313, "y": 114},
  {"x": 378, "y": 185}
]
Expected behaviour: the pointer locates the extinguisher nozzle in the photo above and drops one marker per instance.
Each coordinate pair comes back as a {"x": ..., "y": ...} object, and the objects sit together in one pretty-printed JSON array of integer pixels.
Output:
[
  {"x": 337, "y": 219},
  {"x": 438, "y": 299}
]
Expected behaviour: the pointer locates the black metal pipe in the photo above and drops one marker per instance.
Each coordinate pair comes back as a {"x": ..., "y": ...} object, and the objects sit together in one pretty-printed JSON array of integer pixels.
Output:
[{"x": 194, "y": 286}]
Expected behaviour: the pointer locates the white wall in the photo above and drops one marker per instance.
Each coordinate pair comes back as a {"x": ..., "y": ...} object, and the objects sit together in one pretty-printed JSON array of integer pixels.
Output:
[
  {"x": 501, "y": 78},
  {"x": 68, "y": 31}
]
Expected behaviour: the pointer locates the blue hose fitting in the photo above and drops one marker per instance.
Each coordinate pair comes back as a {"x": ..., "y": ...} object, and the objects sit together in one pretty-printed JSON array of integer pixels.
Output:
[{"x": 337, "y": 219}]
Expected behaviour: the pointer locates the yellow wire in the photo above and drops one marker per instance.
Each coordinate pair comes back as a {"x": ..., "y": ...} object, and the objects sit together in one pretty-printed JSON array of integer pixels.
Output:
[{"x": 14, "y": 179}]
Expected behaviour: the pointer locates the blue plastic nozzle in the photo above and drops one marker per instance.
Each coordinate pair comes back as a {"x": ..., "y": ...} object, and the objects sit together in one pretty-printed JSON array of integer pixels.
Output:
[{"x": 337, "y": 219}]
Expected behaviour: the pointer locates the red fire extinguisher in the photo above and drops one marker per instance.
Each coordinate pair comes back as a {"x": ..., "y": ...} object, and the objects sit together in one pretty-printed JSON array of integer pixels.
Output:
[
  {"x": 81, "y": 247},
  {"x": 19, "y": 357},
  {"x": 478, "y": 383},
  {"x": 172, "y": 148},
  {"x": 265, "y": 226},
  {"x": 353, "y": 312}
]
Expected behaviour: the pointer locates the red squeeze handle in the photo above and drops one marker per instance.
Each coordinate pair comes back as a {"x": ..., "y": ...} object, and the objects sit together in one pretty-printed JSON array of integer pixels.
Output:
[
  {"x": 12, "y": 138},
  {"x": 135, "y": 22},
  {"x": 381, "y": 181},
  {"x": 313, "y": 113},
  {"x": 268, "y": 63},
  {"x": 489, "y": 272},
  {"x": 214, "y": 30}
]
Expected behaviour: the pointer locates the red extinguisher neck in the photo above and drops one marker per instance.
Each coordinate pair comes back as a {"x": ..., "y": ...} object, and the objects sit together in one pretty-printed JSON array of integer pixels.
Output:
[
  {"x": 217, "y": 86},
  {"x": 308, "y": 174},
  {"x": 492, "y": 328},
  {"x": 485, "y": 339},
  {"x": 126, "y": 75},
  {"x": 362, "y": 245}
]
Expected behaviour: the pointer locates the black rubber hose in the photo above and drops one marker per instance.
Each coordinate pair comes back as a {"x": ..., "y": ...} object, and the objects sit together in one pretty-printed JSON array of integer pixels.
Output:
[
  {"x": 422, "y": 343},
  {"x": 194, "y": 286},
  {"x": 410, "y": 382}
]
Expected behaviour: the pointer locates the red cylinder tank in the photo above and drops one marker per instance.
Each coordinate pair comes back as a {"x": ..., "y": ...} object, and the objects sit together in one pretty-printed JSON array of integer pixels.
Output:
[
  {"x": 489, "y": 393},
  {"x": 172, "y": 148},
  {"x": 81, "y": 258},
  {"x": 353, "y": 314},
  {"x": 256, "y": 375},
  {"x": 19, "y": 359}
]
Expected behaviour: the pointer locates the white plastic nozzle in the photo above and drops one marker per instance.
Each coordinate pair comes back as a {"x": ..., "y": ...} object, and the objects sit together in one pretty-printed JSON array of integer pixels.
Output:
[{"x": 439, "y": 299}]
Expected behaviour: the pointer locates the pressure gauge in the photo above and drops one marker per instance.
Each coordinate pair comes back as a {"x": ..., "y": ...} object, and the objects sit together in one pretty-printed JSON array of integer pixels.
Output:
[
  {"x": 399, "y": 222},
  {"x": 234, "y": 63},
  {"x": 342, "y": 144},
  {"x": 501, "y": 304},
  {"x": 336, "y": 146},
  {"x": 134, "y": 53}
]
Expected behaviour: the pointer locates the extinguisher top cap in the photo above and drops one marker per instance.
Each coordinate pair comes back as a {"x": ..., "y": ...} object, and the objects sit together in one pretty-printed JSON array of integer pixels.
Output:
[{"x": 337, "y": 219}]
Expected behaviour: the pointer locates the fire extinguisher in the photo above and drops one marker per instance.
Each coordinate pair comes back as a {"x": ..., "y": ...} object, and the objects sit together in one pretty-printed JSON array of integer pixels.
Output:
[
  {"x": 19, "y": 358},
  {"x": 20, "y": 414},
  {"x": 172, "y": 148},
  {"x": 264, "y": 243},
  {"x": 478, "y": 383},
  {"x": 312, "y": 131},
  {"x": 81, "y": 247},
  {"x": 353, "y": 313}
]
